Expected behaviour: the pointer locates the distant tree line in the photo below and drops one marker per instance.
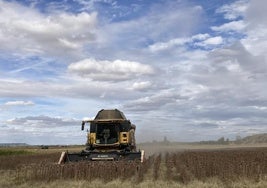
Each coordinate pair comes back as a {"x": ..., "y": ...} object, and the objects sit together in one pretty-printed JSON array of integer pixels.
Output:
[{"x": 220, "y": 141}]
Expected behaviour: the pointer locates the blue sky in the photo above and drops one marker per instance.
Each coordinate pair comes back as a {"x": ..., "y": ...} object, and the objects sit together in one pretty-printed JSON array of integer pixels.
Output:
[{"x": 187, "y": 70}]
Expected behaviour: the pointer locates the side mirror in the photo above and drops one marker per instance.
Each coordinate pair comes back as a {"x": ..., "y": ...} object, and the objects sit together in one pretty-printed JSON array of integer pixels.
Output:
[{"x": 83, "y": 123}]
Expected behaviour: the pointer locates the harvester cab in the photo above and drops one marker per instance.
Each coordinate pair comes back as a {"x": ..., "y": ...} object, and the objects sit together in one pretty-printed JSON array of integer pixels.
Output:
[{"x": 110, "y": 137}]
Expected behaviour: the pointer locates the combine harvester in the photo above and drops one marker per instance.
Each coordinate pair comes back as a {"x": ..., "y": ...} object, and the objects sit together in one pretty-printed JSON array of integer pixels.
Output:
[{"x": 111, "y": 138}]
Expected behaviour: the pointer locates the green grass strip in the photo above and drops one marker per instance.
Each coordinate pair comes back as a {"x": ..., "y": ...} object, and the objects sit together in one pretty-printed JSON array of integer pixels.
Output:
[{"x": 4, "y": 152}]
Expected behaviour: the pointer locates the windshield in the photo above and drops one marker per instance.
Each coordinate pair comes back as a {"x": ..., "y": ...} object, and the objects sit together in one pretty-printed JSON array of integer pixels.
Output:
[{"x": 107, "y": 133}]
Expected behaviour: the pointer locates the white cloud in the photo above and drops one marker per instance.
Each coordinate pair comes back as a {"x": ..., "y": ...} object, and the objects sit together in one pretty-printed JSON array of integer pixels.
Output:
[
  {"x": 19, "y": 103},
  {"x": 256, "y": 41},
  {"x": 42, "y": 129},
  {"x": 234, "y": 10},
  {"x": 24, "y": 29},
  {"x": 236, "y": 26},
  {"x": 256, "y": 13},
  {"x": 42, "y": 121},
  {"x": 159, "y": 31},
  {"x": 200, "y": 36},
  {"x": 256, "y": 31},
  {"x": 110, "y": 70},
  {"x": 155, "y": 101},
  {"x": 197, "y": 40},
  {"x": 166, "y": 45},
  {"x": 212, "y": 41},
  {"x": 140, "y": 86},
  {"x": 76, "y": 87}
]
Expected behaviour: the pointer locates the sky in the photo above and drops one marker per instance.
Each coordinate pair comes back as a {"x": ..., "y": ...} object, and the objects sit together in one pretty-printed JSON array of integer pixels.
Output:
[{"x": 188, "y": 70}]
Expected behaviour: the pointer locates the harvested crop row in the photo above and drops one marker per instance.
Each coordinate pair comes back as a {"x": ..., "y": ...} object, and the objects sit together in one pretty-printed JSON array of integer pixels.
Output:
[{"x": 223, "y": 164}]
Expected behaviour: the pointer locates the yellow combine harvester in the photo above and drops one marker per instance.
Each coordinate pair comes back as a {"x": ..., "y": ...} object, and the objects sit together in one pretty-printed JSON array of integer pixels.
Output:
[{"x": 111, "y": 137}]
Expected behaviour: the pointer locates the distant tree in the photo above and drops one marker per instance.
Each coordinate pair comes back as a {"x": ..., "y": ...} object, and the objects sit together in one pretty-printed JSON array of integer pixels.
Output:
[
  {"x": 221, "y": 140},
  {"x": 165, "y": 140},
  {"x": 238, "y": 139}
]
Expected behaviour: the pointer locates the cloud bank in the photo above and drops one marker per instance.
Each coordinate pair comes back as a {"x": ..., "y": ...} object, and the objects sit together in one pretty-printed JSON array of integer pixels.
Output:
[{"x": 195, "y": 71}]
